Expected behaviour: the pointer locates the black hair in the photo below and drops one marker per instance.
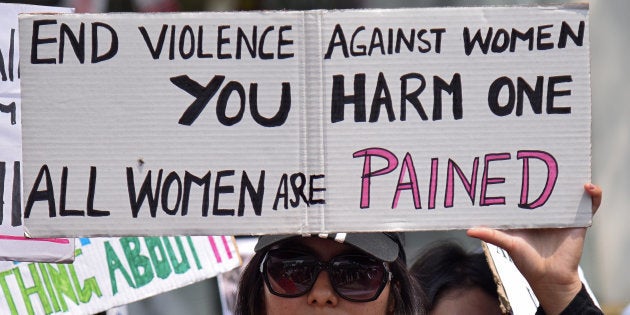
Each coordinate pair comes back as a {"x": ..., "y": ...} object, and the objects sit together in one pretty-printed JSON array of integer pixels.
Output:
[
  {"x": 250, "y": 295},
  {"x": 445, "y": 266}
]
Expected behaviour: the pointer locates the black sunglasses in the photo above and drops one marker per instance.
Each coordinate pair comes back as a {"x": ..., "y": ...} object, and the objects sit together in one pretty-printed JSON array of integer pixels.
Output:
[{"x": 355, "y": 277}]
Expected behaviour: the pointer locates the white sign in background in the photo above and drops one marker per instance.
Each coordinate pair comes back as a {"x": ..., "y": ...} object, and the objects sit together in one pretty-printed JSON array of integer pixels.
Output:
[
  {"x": 317, "y": 121},
  {"x": 13, "y": 244},
  {"x": 110, "y": 272}
]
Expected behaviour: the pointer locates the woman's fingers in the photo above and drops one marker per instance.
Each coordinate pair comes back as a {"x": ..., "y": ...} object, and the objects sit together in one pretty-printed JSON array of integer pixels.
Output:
[
  {"x": 596, "y": 195},
  {"x": 492, "y": 236}
]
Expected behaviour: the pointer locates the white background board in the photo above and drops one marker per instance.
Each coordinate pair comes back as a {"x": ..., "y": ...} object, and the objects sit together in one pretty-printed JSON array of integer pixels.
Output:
[
  {"x": 13, "y": 245},
  {"x": 121, "y": 117},
  {"x": 110, "y": 272}
]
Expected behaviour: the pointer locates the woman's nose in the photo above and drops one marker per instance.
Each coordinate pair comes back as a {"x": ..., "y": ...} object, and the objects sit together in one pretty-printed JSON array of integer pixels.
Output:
[{"x": 322, "y": 292}]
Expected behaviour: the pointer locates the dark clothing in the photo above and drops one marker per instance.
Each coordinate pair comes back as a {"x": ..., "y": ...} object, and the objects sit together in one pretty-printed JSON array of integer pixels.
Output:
[{"x": 582, "y": 304}]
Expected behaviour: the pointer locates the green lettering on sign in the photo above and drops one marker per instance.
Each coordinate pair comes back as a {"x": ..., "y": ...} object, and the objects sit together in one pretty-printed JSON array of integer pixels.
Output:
[
  {"x": 37, "y": 288},
  {"x": 49, "y": 287},
  {"x": 180, "y": 266},
  {"x": 158, "y": 257},
  {"x": 194, "y": 252},
  {"x": 90, "y": 286},
  {"x": 59, "y": 276},
  {"x": 113, "y": 264},
  {"x": 6, "y": 291},
  {"x": 140, "y": 265}
]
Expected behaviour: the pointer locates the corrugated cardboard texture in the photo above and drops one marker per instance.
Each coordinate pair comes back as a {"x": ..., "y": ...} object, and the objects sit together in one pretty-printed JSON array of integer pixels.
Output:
[{"x": 383, "y": 103}]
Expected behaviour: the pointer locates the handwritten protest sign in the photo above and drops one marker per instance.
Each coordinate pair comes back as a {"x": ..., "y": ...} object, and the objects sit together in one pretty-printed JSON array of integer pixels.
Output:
[
  {"x": 13, "y": 244},
  {"x": 109, "y": 272},
  {"x": 315, "y": 121}
]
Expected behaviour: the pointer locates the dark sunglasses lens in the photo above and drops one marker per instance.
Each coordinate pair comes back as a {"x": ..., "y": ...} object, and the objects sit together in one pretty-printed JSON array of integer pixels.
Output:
[
  {"x": 290, "y": 273},
  {"x": 358, "y": 278}
]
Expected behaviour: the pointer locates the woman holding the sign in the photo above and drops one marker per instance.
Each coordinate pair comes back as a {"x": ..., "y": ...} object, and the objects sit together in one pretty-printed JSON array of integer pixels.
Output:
[
  {"x": 350, "y": 273},
  {"x": 365, "y": 273}
]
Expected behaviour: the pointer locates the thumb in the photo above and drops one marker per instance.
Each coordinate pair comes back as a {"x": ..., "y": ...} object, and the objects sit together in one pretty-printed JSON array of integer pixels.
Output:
[{"x": 492, "y": 236}]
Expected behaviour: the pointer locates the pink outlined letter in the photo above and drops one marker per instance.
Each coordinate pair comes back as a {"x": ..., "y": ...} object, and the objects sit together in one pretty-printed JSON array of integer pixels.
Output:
[
  {"x": 392, "y": 163},
  {"x": 552, "y": 176},
  {"x": 412, "y": 185},
  {"x": 469, "y": 186},
  {"x": 433, "y": 183},
  {"x": 215, "y": 249},
  {"x": 485, "y": 181}
]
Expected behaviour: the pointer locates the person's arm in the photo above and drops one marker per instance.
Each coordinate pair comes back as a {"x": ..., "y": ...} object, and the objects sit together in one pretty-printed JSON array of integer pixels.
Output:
[
  {"x": 581, "y": 304},
  {"x": 547, "y": 258}
]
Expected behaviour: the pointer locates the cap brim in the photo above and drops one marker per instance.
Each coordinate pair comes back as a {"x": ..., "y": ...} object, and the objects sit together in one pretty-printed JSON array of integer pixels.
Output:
[
  {"x": 268, "y": 240},
  {"x": 378, "y": 245}
]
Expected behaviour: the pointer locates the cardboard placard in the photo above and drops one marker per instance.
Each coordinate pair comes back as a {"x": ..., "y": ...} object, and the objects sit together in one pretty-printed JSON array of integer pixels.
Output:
[
  {"x": 314, "y": 121},
  {"x": 13, "y": 244},
  {"x": 109, "y": 272}
]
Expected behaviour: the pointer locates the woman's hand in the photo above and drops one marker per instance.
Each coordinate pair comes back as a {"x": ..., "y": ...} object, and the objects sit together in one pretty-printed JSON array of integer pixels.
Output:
[{"x": 547, "y": 258}]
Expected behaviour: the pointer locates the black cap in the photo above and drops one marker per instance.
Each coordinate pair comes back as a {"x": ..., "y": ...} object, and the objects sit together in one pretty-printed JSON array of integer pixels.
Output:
[{"x": 382, "y": 245}]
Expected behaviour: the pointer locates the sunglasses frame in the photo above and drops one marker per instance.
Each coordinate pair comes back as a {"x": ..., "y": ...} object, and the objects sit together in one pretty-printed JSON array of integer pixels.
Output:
[{"x": 327, "y": 266}]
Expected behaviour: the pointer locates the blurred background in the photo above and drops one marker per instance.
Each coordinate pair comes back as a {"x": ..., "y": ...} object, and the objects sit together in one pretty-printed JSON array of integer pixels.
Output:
[{"x": 608, "y": 242}]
